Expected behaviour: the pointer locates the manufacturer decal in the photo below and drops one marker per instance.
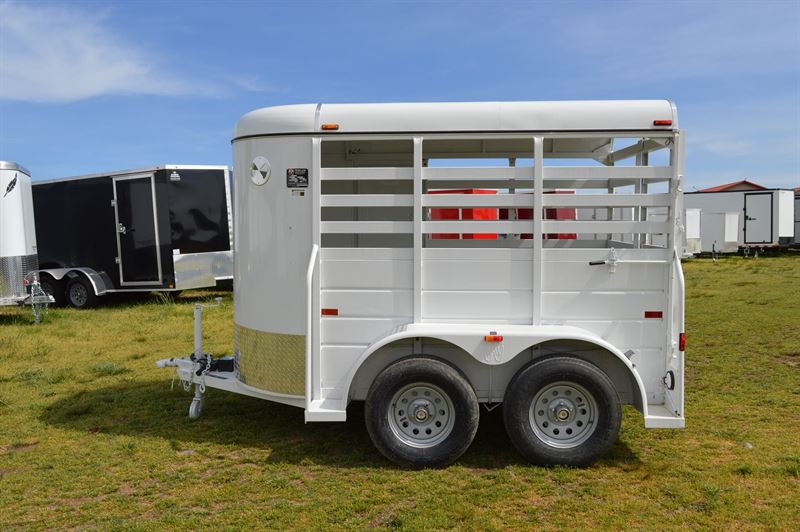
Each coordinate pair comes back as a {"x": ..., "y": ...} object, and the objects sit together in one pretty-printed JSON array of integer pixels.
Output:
[
  {"x": 297, "y": 177},
  {"x": 11, "y": 185},
  {"x": 174, "y": 176}
]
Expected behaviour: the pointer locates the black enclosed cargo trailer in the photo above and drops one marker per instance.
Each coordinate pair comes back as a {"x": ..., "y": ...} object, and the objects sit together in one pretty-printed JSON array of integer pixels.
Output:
[{"x": 166, "y": 228}]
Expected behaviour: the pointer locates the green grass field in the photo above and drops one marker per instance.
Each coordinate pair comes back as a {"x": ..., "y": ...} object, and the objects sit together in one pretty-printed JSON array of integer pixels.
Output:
[{"x": 92, "y": 434}]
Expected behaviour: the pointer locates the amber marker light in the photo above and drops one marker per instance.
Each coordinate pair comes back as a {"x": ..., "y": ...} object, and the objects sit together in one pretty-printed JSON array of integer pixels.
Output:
[{"x": 330, "y": 127}]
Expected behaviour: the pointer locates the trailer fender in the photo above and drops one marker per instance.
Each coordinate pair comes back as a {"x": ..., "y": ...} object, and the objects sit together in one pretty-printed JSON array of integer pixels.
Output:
[
  {"x": 99, "y": 282},
  {"x": 515, "y": 339}
]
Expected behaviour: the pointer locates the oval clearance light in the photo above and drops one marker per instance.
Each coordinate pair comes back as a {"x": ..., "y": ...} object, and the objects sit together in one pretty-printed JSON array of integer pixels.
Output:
[
  {"x": 335, "y": 127},
  {"x": 656, "y": 314},
  {"x": 662, "y": 122}
]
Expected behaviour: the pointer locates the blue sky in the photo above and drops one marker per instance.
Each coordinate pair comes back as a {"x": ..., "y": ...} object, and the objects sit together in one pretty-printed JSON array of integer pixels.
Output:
[{"x": 96, "y": 86}]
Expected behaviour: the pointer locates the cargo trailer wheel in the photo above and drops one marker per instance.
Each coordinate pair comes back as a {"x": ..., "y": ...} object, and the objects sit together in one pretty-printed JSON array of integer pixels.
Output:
[
  {"x": 54, "y": 288},
  {"x": 80, "y": 293},
  {"x": 562, "y": 410},
  {"x": 421, "y": 412}
]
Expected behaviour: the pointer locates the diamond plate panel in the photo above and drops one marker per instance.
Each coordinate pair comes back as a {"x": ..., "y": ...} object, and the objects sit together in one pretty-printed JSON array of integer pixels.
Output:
[
  {"x": 12, "y": 273},
  {"x": 271, "y": 361}
]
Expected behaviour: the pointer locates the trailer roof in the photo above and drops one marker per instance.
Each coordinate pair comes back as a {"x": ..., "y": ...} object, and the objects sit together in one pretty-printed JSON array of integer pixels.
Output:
[
  {"x": 606, "y": 115},
  {"x": 118, "y": 173},
  {"x": 8, "y": 165}
]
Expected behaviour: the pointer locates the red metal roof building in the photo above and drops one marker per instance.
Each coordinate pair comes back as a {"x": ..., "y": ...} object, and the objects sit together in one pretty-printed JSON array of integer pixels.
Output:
[{"x": 737, "y": 185}]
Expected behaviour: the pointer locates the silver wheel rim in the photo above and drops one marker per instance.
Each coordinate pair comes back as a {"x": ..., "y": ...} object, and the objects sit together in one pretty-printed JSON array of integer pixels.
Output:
[
  {"x": 78, "y": 295},
  {"x": 563, "y": 414},
  {"x": 421, "y": 415}
]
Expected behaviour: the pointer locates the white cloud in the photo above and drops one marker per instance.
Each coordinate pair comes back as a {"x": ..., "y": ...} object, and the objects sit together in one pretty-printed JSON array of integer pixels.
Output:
[{"x": 59, "y": 54}]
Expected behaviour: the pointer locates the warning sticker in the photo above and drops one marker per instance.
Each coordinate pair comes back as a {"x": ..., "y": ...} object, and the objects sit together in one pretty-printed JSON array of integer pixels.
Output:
[{"x": 297, "y": 177}]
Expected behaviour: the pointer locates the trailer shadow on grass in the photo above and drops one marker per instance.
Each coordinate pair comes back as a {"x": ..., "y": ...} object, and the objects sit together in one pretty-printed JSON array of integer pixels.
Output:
[{"x": 152, "y": 410}]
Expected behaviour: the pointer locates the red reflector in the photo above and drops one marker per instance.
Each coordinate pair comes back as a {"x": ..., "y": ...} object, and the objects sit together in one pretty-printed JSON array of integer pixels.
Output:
[
  {"x": 653, "y": 314},
  {"x": 330, "y": 312},
  {"x": 662, "y": 122},
  {"x": 492, "y": 338},
  {"x": 682, "y": 342}
]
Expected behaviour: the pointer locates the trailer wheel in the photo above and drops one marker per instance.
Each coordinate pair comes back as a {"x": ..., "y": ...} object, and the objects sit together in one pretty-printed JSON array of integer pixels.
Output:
[
  {"x": 421, "y": 412},
  {"x": 54, "y": 288},
  {"x": 80, "y": 293},
  {"x": 562, "y": 410}
]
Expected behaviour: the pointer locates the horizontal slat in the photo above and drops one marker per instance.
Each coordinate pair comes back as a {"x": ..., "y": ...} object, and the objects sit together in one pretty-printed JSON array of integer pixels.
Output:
[
  {"x": 622, "y": 305},
  {"x": 349, "y": 331},
  {"x": 608, "y": 172},
  {"x": 607, "y": 200},
  {"x": 604, "y": 227},
  {"x": 367, "y": 200},
  {"x": 526, "y": 226},
  {"x": 366, "y": 275},
  {"x": 470, "y": 173},
  {"x": 481, "y": 183},
  {"x": 569, "y": 184},
  {"x": 477, "y": 275},
  {"x": 347, "y": 174},
  {"x": 468, "y": 226},
  {"x": 366, "y": 227},
  {"x": 368, "y": 303},
  {"x": 470, "y": 304},
  {"x": 477, "y": 200}
]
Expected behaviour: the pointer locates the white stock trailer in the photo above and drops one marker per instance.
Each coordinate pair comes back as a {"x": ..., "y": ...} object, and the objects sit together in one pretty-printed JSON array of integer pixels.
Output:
[
  {"x": 764, "y": 217},
  {"x": 372, "y": 265},
  {"x": 18, "y": 258}
]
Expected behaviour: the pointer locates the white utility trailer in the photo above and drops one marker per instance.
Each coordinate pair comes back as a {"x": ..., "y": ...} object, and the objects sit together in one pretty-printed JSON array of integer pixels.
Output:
[
  {"x": 765, "y": 216},
  {"x": 363, "y": 272},
  {"x": 720, "y": 231},
  {"x": 694, "y": 243},
  {"x": 19, "y": 278}
]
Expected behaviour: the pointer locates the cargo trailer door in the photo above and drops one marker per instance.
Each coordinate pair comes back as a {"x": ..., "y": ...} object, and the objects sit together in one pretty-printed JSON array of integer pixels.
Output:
[
  {"x": 139, "y": 255},
  {"x": 758, "y": 218}
]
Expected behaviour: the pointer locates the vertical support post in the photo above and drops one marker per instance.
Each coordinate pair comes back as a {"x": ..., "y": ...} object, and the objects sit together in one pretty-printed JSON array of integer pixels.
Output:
[
  {"x": 315, "y": 375},
  {"x": 538, "y": 212},
  {"x": 512, "y": 189},
  {"x": 644, "y": 189},
  {"x": 676, "y": 189},
  {"x": 637, "y": 189},
  {"x": 198, "y": 331},
  {"x": 417, "y": 229}
]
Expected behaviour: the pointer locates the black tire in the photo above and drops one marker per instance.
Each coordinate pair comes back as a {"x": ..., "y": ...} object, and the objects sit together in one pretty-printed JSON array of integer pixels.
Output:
[
  {"x": 80, "y": 293},
  {"x": 577, "y": 416},
  {"x": 54, "y": 288},
  {"x": 450, "y": 429}
]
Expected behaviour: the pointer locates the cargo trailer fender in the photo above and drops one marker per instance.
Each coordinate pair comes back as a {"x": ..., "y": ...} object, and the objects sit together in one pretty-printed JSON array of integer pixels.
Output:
[
  {"x": 100, "y": 284},
  {"x": 498, "y": 344}
]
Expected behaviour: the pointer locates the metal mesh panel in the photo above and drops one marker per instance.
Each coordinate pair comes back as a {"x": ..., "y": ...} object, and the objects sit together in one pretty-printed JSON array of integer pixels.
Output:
[
  {"x": 271, "y": 361},
  {"x": 12, "y": 274}
]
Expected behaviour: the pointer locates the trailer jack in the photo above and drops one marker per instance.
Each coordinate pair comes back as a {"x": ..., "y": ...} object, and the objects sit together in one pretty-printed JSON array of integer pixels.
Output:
[{"x": 193, "y": 369}]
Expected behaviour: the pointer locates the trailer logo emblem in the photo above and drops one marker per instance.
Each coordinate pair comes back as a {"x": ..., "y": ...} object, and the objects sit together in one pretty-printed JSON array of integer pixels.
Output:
[
  {"x": 11, "y": 185},
  {"x": 260, "y": 170}
]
